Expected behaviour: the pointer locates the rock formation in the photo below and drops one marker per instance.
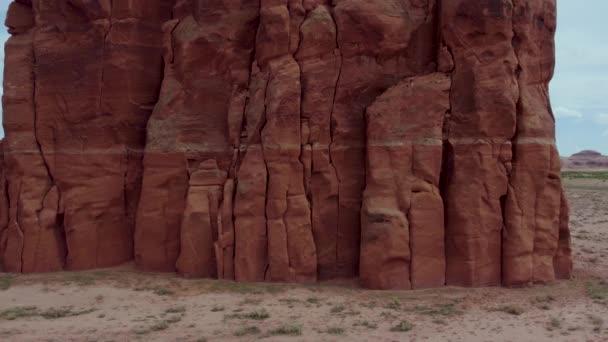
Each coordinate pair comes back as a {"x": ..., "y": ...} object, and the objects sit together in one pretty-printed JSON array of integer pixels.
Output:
[
  {"x": 409, "y": 143},
  {"x": 585, "y": 160}
]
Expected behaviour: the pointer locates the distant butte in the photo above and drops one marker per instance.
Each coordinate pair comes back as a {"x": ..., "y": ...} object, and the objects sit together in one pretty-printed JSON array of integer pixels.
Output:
[{"x": 585, "y": 160}]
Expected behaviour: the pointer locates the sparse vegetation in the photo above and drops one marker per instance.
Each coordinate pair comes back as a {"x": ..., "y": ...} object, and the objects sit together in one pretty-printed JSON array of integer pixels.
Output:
[
  {"x": 366, "y": 324},
  {"x": 257, "y": 315},
  {"x": 55, "y": 313},
  {"x": 597, "y": 322},
  {"x": 403, "y": 326},
  {"x": 32, "y": 311},
  {"x": 246, "y": 288},
  {"x": 601, "y": 175},
  {"x": 250, "y": 301},
  {"x": 19, "y": 312},
  {"x": 554, "y": 323},
  {"x": 511, "y": 310},
  {"x": 81, "y": 279},
  {"x": 335, "y": 331},
  {"x": 289, "y": 301},
  {"x": 247, "y": 331},
  {"x": 177, "y": 309},
  {"x": 542, "y": 302},
  {"x": 161, "y": 291},
  {"x": 598, "y": 291},
  {"x": 394, "y": 305},
  {"x": 5, "y": 281},
  {"x": 312, "y": 300},
  {"x": 337, "y": 308},
  {"x": 287, "y": 330},
  {"x": 445, "y": 309},
  {"x": 158, "y": 326}
]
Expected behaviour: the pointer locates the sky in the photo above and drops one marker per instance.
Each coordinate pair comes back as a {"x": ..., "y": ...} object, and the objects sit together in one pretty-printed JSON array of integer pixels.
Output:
[{"x": 579, "y": 90}]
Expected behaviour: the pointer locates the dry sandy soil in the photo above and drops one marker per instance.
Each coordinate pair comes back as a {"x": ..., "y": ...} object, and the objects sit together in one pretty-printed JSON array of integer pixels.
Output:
[{"x": 124, "y": 305}]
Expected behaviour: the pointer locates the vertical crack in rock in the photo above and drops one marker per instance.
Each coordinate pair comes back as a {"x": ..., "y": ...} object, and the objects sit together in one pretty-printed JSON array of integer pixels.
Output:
[
  {"x": 30, "y": 239},
  {"x": 319, "y": 61},
  {"x": 535, "y": 202},
  {"x": 482, "y": 123},
  {"x": 333, "y": 268}
]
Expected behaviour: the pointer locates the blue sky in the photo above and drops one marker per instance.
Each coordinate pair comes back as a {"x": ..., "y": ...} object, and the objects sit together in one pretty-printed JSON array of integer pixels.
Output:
[{"x": 579, "y": 90}]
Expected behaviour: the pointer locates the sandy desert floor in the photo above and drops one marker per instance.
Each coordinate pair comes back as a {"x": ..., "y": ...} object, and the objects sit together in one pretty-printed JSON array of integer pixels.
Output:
[{"x": 123, "y": 305}]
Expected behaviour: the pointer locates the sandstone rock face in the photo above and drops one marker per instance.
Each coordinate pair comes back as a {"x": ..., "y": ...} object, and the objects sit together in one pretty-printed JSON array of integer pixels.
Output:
[{"x": 409, "y": 143}]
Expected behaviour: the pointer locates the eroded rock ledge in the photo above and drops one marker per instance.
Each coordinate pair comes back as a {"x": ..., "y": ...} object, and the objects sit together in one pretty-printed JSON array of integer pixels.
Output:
[{"x": 409, "y": 143}]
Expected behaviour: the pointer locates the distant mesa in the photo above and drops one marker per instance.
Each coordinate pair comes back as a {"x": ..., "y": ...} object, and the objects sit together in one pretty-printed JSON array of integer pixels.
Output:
[{"x": 586, "y": 159}]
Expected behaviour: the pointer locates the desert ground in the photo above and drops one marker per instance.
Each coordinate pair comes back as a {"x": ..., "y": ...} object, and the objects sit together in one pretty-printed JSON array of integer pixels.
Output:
[{"x": 121, "y": 304}]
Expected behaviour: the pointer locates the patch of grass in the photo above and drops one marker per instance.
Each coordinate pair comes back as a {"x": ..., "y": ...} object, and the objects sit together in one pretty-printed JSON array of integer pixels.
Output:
[
  {"x": 161, "y": 291},
  {"x": 159, "y": 326},
  {"x": 257, "y": 315},
  {"x": 250, "y": 301},
  {"x": 162, "y": 325},
  {"x": 335, "y": 331},
  {"x": 602, "y": 175},
  {"x": 177, "y": 309},
  {"x": 393, "y": 305},
  {"x": 55, "y": 313},
  {"x": 313, "y": 300},
  {"x": 32, "y": 311},
  {"x": 5, "y": 281},
  {"x": 403, "y": 326},
  {"x": 597, "y": 322},
  {"x": 287, "y": 330},
  {"x": 388, "y": 315},
  {"x": 337, "y": 308},
  {"x": 247, "y": 331},
  {"x": 597, "y": 290},
  {"x": 542, "y": 302},
  {"x": 246, "y": 288},
  {"x": 445, "y": 309},
  {"x": 81, "y": 279},
  {"x": 289, "y": 301},
  {"x": 366, "y": 324},
  {"x": 173, "y": 319},
  {"x": 370, "y": 305},
  {"x": 554, "y": 323},
  {"x": 19, "y": 312},
  {"x": 511, "y": 310}
]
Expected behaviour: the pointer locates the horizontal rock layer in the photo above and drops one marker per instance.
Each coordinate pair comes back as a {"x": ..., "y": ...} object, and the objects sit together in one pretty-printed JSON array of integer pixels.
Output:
[{"x": 409, "y": 143}]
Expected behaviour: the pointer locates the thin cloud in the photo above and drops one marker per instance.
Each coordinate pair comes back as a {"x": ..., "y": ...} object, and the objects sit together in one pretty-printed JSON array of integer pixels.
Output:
[
  {"x": 563, "y": 112},
  {"x": 601, "y": 119}
]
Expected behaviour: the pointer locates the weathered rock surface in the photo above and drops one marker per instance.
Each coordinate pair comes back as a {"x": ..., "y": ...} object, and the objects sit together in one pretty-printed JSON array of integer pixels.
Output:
[{"x": 407, "y": 142}]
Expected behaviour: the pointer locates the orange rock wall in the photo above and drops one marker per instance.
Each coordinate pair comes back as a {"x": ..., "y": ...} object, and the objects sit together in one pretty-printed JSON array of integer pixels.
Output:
[{"x": 409, "y": 143}]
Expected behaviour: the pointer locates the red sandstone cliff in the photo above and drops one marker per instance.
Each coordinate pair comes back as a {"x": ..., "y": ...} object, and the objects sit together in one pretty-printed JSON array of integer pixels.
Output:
[{"x": 407, "y": 142}]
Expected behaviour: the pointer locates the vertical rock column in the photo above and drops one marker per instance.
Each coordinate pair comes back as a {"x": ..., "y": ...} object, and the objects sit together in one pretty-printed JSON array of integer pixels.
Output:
[
  {"x": 33, "y": 240},
  {"x": 208, "y": 48},
  {"x": 320, "y": 62},
  {"x": 97, "y": 71},
  {"x": 381, "y": 42},
  {"x": 536, "y": 210},
  {"x": 402, "y": 241},
  {"x": 291, "y": 254},
  {"x": 479, "y": 131}
]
